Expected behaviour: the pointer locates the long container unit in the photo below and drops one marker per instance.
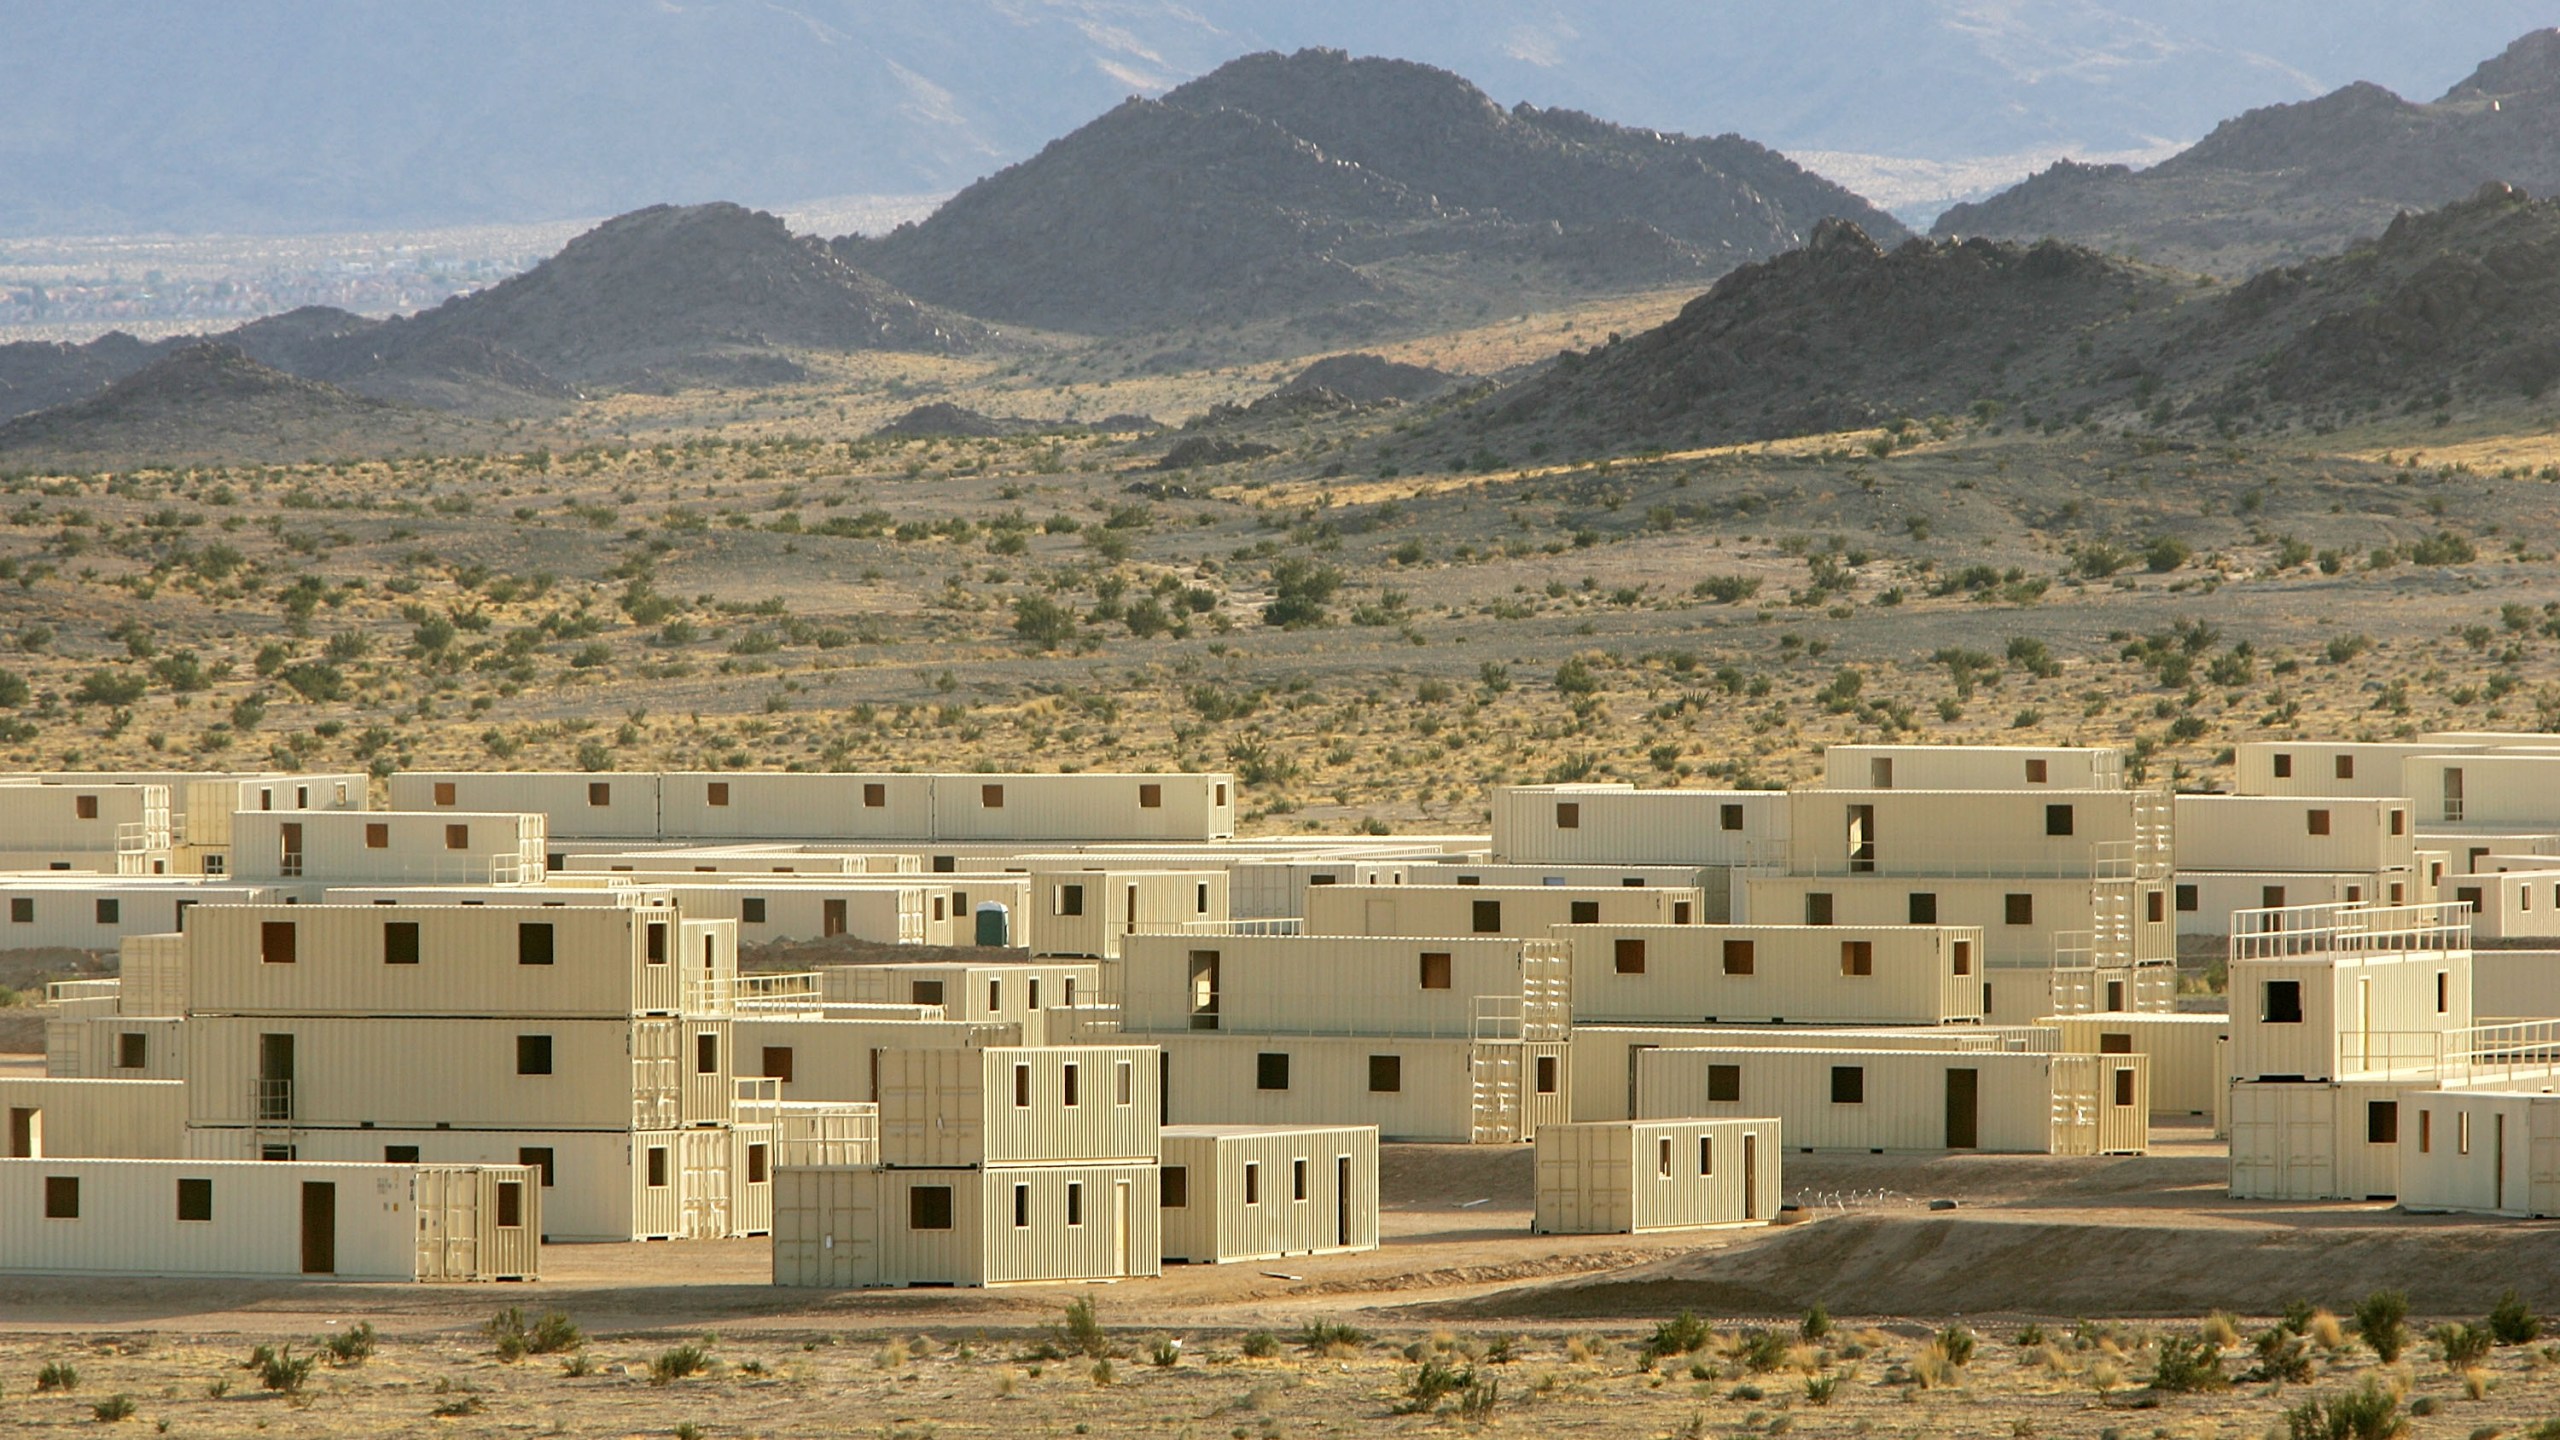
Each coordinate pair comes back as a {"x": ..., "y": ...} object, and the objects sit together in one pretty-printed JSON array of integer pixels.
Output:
[
  {"x": 1087, "y": 911},
  {"x": 2367, "y": 769},
  {"x": 201, "y": 803},
  {"x": 388, "y": 847},
  {"x": 1889, "y": 1100},
  {"x": 2207, "y": 899},
  {"x": 85, "y": 826},
  {"x": 102, "y": 912},
  {"x": 2190, "y": 1056},
  {"x": 1244, "y": 1192},
  {"x": 116, "y": 1047},
  {"x": 1604, "y": 1056},
  {"x": 1972, "y": 767},
  {"x": 251, "y": 1219},
  {"x": 91, "y": 1119},
  {"x": 1523, "y": 911},
  {"x": 1633, "y": 1177},
  {"x": 1804, "y": 974},
  {"x": 605, "y": 805},
  {"x": 1187, "y": 807},
  {"x": 835, "y": 1056},
  {"x": 1612, "y": 824},
  {"x": 1002, "y": 993},
  {"x": 2483, "y": 1152}
]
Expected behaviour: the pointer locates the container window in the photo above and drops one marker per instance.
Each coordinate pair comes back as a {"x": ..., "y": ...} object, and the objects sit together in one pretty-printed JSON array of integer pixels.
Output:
[
  {"x": 133, "y": 1050},
  {"x": 2346, "y": 767},
  {"x": 777, "y": 1063},
  {"x": 2399, "y": 822},
  {"x": 924, "y": 992},
  {"x": 1662, "y": 1158},
  {"x": 1848, "y": 1084},
  {"x": 543, "y": 1160},
  {"x": 62, "y": 1197},
  {"x": 2316, "y": 821},
  {"x": 110, "y": 912},
  {"x": 510, "y": 1205},
  {"x": 1487, "y": 916},
  {"x": 991, "y": 797},
  {"x": 706, "y": 1054},
  {"x": 1547, "y": 1076},
  {"x": 751, "y": 910},
  {"x": 716, "y": 793},
  {"x": 2280, "y": 1002},
  {"x": 1724, "y": 1084},
  {"x": 1021, "y": 1207},
  {"x": 1150, "y": 796},
  {"x": 1221, "y": 793},
  {"x": 2382, "y": 1122},
  {"x": 1173, "y": 1187},
  {"x": 1963, "y": 957},
  {"x": 1706, "y": 1154},
  {"x": 377, "y": 836},
  {"x": 2426, "y": 1132},
  {"x": 759, "y": 1164},
  {"x": 2057, "y": 820},
  {"x": 1075, "y": 1202},
  {"x": 657, "y": 1167},
  {"x": 1200, "y": 899},
  {"x": 1031, "y": 993},
  {"x": 1070, "y": 899},
  {"x": 2443, "y": 995},
  {"x": 85, "y": 806},
  {"x": 2271, "y": 897},
  {"x": 2115, "y": 1042},
  {"x": 1386, "y": 1074},
  {"x": 599, "y": 792},
  {"x": 2036, "y": 772},
  {"x": 22, "y": 910},
  {"x": 1924, "y": 907},
  {"x": 1568, "y": 815},
  {"x": 1817, "y": 908},
  {"x": 2155, "y": 906},
  {"x": 1435, "y": 970},
  {"x": 1629, "y": 953},
  {"x": 1298, "y": 1179},
  {"x": 2124, "y": 1087},
  {"x": 2018, "y": 909},
  {"x": 1271, "y": 1070},
  {"x": 1124, "y": 1083},
  {"x": 444, "y": 792},
  {"x": 276, "y": 941},
  {"x": 2462, "y": 1132},
  {"x": 1729, "y": 817},
  {"x": 1021, "y": 1087},
  {"x": 1070, "y": 1092},
  {"x": 195, "y": 1199},
  {"x": 1584, "y": 912},
  {"x": 399, "y": 1154},
  {"x": 1679, "y": 912},
  {"x": 1740, "y": 956},
  {"x": 657, "y": 943},
  {"x": 533, "y": 942},
  {"x": 710, "y": 952},
  {"x": 875, "y": 795},
  {"x": 2187, "y": 900},
  {"x": 2284, "y": 766},
  {"x": 1253, "y": 1182},
  {"x": 457, "y": 837},
  {"x": 929, "y": 1207}
]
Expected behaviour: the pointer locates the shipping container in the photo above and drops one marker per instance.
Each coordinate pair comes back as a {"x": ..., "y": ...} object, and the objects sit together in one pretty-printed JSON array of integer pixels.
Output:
[
  {"x": 152, "y": 975},
  {"x": 673, "y": 860},
  {"x": 1972, "y": 767},
  {"x": 87, "y": 817},
  {"x": 1804, "y": 974},
  {"x": 92, "y": 1119},
  {"x": 2206, "y": 899},
  {"x": 1454, "y": 988},
  {"x": 766, "y": 909},
  {"x": 512, "y": 959},
  {"x": 1528, "y": 912},
  {"x": 1087, "y": 911},
  {"x": 1437, "y": 1091},
  {"x": 1261, "y": 1192},
  {"x": 777, "y": 806},
  {"x": 1604, "y": 1056},
  {"x": 1192, "y": 807},
  {"x": 1276, "y": 889},
  {"x": 2332, "y": 992},
  {"x": 2190, "y": 1054},
  {"x": 1714, "y": 880},
  {"x": 298, "y": 1072},
  {"x": 269, "y": 1221},
  {"x": 115, "y": 1047},
  {"x": 1631, "y": 1177},
  {"x": 2321, "y": 834},
  {"x": 1900, "y": 1100},
  {"x": 202, "y": 802},
  {"x": 1614, "y": 824},
  {"x": 1000, "y": 993},
  {"x": 2368, "y": 770},
  {"x": 2517, "y": 903},
  {"x": 2494, "y": 1152},
  {"x": 825, "y": 1133},
  {"x": 379, "y": 847},
  {"x": 2026, "y": 833},
  {"x": 101, "y": 912},
  {"x": 597, "y": 1185},
  {"x": 2316, "y": 1141},
  {"x": 824, "y": 1058},
  {"x": 989, "y": 1106},
  {"x": 604, "y": 805},
  {"x": 840, "y": 1227}
]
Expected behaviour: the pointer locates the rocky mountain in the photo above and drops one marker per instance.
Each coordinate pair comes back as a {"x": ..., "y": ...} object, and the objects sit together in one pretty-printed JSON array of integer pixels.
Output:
[
  {"x": 1362, "y": 193},
  {"x": 2289, "y": 182},
  {"x": 2456, "y": 306},
  {"x": 212, "y": 402},
  {"x": 1369, "y": 379}
]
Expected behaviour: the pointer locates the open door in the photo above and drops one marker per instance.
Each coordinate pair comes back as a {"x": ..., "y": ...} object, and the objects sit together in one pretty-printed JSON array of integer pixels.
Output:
[
  {"x": 1342, "y": 1200},
  {"x": 2498, "y": 1158},
  {"x": 1963, "y": 1109},
  {"x": 26, "y": 1133},
  {"x": 1130, "y": 905},
  {"x": 1862, "y": 838},
  {"x": 319, "y": 1228},
  {"x": 1750, "y": 1176},
  {"x": 831, "y": 921},
  {"x": 1204, "y": 989},
  {"x": 275, "y": 1077},
  {"x": 1120, "y": 1227},
  {"x": 1164, "y": 1088},
  {"x": 1632, "y": 1052}
]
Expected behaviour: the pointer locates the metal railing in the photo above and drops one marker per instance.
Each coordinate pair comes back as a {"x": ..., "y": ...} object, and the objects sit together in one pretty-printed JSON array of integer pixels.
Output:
[
  {"x": 2519, "y": 1050},
  {"x": 1268, "y": 925},
  {"x": 2090, "y": 860},
  {"x": 271, "y": 1102},
  {"x": 58, "y": 992},
  {"x": 757, "y": 1100},
  {"x": 2303, "y": 932}
]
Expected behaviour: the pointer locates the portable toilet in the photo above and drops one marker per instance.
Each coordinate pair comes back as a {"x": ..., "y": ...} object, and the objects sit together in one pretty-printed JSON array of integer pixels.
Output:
[{"x": 994, "y": 924}]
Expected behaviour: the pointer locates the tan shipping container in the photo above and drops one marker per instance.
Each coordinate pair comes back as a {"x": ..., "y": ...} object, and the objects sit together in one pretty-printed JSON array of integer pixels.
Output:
[
  {"x": 1529, "y": 912},
  {"x": 1087, "y": 911},
  {"x": 204, "y": 804},
  {"x": 92, "y": 1119},
  {"x": 822, "y": 1058},
  {"x": 999, "y": 993},
  {"x": 1803, "y": 974},
  {"x": 846, "y": 1227},
  {"x": 2331, "y": 993},
  {"x": 1085, "y": 1104},
  {"x": 2024, "y": 833},
  {"x": 152, "y": 975},
  {"x": 115, "y": 1047},
  {"x": 1438, "y": 1091},
  {"x": 1604, "y": 1056},
  {"x": 102, "y": 912},
  {"x": 2315, "y": 1141},
  {"x": 604, "y": 805},
  {"x": 1252, "y": 1192},
  {"x": 1466, "y": 987},
  {"x": 1885, "y": 1100},
  {"x": 1972, "y": 767},
  {"x": 597, "y": 1185},
  {"x": 84, "y": 816},
  {"x": 1186, "y": 807},
  {"x": 2313, "y": 834},
  {"x": 377, "y": 847},
  {"x": 2207, "y": 899},
  {"x": 1630, "y": 1177},
  {"x": 300, "y": 1072},
  {"x": 2324, "y": 767},
  {"x": 2480, "y": 1152},
  {"x": 2190, "y": 1054},
  {"x": 196, "y": 1217},
  {"x": 513, "y": 959},
  {"x": 1618, "y": 825}
]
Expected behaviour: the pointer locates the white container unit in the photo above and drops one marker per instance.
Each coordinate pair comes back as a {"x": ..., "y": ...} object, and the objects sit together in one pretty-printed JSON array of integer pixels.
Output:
[
  {"x": 2317, "y": 1141},
  {"x": 1619, "y": 825},
  {"x": 1891, "y": 1100},
  {"x": 2481, "y": 1152},
  {"x": 1457, "y": 988},
  {"x": 2028, "y": 833},
  {"x": 597, "y": 1185},
  {"x": 605, "y": 805},
  {"x": 1020, "y": 995},
  {"x": 2513, "y": 904},
  {"x": 827, "y": 1058},
  {"x": 842, "y": 1226},
  {"x": 102, "y": 912},
  {"x": 1633, "y": 1177},
  {"x": 1804, "y": 974},
  {"x": 115, "y": 1047},
  {"x": 766, "y": 909},
  {"x": 2206, "y": 899},
  {"x": 2371, "y": 770},
  {"x": 777, "y": 806},
  {"x": 513, "y": 959},
  {"x": 2190, "y": 1055},
  {"x": 204, "y": 804},
  {"x": 388, "y": 847},
  {"x": 1086, "y": 912},
  {"x": 1972, "y": 767},
  {"x": 83, "y": 815},
  {"x": 1252, "y": 1192},
  {"x": 2337, "y": 992},
  {"x": 301, "y": 1072},
  {"x": 1186, "y": 807},
  {"x": 1438, "y": 1091},
  {"x": 1604, "y": 1056},
  {"x": 248, "y": 1219},
  {"x": 1714, "y": 882},
  {"x": 97, "y": 1119},
  {"x": 152, "y": 975},
  {"x": 1013, "y": 1106},
  {"x": 2320, "y": 834},
  {"x": 1521, "y": 911}
]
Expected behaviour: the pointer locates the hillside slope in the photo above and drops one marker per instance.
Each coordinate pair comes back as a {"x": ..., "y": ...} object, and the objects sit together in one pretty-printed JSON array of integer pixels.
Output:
[{"x": 212, "y": 402}]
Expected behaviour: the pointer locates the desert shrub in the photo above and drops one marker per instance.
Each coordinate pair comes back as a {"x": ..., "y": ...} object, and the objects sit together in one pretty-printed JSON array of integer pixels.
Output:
[
  {"x": 1816, "y": 1324},
  {"x": 1319, "y": 1336},
  {"x": 1434, "y": 1380},
  {"x": 1934, "y": 1368},
  {"x": 2368, "y": 1412},
  {"x": 1165, "y": 1353},
  {"x": 2283, "y": 1358},
  {"x": 2166, "y": 554},
  {"x": 676, "y": 1364},
  {"x": 1958, "y": 1342},
  {"x": 1726, "y": 589},
  {"x": 1262, "y": 1345},
  {"x": 2382, "y": 1318},
  {"x": 1762, "y": 1350},
  {"x": 549, "y": 1334},
  {"x": 1818, "y": 1389},
  {"x": 2029, "y": 1337},
  {"x": 2188, "y": 1366},
  {"x": 281, "y": 1370},
  {"x": 2512, "y": 1322},
  {"x": 1476, "y": 1401},
  {"x": 113, "y": 1408},
  {"x": 57, "y": 1375},
  {"x": 1682, "y": 1336},
  {"x": 350, "y": 1347},
  {"x": 1079, "y": 1331},
  {"x": 2462, "y": 1346}
]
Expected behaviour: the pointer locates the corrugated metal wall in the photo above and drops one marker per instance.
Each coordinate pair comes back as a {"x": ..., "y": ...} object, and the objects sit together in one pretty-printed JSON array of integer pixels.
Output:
[
  {"x": 946, "y": 1108},
  {"x": 1616, "y": 1179},
  {"x": 102, "y": 1119},
  {"x": 1311, "y": 1191},
  {"x": 1806, "y": 974},
  {"x": 1904, "y": 1100}
]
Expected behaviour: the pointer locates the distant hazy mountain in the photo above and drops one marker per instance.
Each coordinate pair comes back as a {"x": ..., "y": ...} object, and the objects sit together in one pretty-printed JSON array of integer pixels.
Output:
[{"x": 283, "y": 115}]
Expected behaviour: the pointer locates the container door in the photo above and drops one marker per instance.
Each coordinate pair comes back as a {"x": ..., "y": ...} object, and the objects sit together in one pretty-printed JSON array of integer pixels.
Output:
[
  {"x": 833, "y": 922},
  {"x": 319, "y": 1228},
  {"x": 275, "y": 1077},
  {"x": 1750, "y": 1176},
  {"x": 1131, "y": 918},
  {"x": 1632, "y": 1052},
  {"x": 2498, "y": 1157},
  {"x": 289, "y": 849},
  {"x": 1963, "y": 1109},
  {"x": 1862, "y": 838},
  {"x": 1204, "y": 989},
  {"x": 1342, "y": 1200},
  {"x": 1164, "y": 1088},
  {"x": 1120, "y": 1227},
  {"x": 2453, "y": 794},
  {"x": 26, "y": 1133}
]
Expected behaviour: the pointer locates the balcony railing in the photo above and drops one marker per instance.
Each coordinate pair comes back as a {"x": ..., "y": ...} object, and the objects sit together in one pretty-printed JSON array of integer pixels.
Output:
[
  {"x": 82, "y": 992},
  {"x": 2304, "y": 932}
]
